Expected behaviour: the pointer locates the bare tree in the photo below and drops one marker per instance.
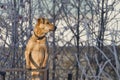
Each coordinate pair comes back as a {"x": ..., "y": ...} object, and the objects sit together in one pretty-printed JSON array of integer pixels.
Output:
[{"x": 85, "y": 43}]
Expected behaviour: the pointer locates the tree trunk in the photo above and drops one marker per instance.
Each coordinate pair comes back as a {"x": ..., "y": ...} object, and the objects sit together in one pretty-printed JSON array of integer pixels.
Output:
[
  {"x": 14, "y": 33},
  {"x": 54, "y": 47},
  {"x": 78, "y": 39},
  {"x": 100, "y": 39}
]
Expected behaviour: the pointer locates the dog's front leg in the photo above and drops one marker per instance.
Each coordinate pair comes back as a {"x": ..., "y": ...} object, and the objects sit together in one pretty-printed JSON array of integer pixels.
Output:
[
  {"x": 46, "y": 59},
  {"x": 27, "y": 52}
]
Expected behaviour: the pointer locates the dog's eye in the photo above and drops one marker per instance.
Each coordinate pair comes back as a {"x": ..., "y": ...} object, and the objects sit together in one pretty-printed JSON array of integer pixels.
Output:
[{"x": 47, "y": 23}]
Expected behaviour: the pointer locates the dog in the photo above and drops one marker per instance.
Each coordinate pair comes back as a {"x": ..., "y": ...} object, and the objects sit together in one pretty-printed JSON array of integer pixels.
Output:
[{"x": 36, "y": 54}]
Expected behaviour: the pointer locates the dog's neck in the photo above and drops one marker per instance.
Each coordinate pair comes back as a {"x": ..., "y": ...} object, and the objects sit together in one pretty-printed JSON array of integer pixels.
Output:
[{"x": 39, "y": 37}]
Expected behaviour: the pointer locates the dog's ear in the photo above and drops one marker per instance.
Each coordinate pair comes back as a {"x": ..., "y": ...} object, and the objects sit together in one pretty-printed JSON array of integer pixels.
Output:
[
  {"x": 41, "y": 20},
  {"x": 38, "y": 21}
]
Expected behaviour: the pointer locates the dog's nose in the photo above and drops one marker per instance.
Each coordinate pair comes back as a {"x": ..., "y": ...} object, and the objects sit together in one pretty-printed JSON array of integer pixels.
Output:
[{"x": 55, "y": 28}]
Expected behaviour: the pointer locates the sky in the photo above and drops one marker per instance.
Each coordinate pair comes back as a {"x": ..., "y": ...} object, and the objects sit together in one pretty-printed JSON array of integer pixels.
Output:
[{"x": 65, "y": 35}]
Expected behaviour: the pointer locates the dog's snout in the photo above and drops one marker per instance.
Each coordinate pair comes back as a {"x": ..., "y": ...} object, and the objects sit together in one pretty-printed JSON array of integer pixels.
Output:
[{"x": 55, "y": 28}]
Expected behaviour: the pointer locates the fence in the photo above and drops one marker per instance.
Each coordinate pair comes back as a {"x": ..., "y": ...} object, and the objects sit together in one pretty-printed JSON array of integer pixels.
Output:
[
  {"x": 9, "y": 70},
  {"x": 5, "y": 72}
]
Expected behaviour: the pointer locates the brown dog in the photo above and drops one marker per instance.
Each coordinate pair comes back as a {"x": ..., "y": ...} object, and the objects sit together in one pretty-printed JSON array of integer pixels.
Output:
[{"x": 36, "y": 54}]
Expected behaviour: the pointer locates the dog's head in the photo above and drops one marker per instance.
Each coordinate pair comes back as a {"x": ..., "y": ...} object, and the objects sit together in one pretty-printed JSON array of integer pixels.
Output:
[{"x": 43, "y": 26}]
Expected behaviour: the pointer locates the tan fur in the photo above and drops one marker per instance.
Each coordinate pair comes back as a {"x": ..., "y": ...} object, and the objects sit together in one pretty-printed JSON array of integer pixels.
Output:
[{"x": 37, "y": 47}]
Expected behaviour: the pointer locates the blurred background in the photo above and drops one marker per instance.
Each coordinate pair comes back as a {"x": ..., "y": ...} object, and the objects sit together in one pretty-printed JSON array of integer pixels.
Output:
[{"x": 85, "y": 44}]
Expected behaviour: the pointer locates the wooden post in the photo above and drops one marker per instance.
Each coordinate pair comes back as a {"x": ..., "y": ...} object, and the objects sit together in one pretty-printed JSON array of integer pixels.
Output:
[
  {"x": 3, "y": 75},
  {"x": 69, "y": 76},
  {"x": 46, "y": 74}
]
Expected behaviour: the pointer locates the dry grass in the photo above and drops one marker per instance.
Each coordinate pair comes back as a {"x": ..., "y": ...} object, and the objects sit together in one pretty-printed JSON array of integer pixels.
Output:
[{"x": 66, "y": 63}]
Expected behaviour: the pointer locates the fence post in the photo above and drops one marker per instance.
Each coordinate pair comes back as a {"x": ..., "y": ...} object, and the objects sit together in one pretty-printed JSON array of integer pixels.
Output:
[
  {"x": 69, "y": 76},
  {"x": 3, "y": 75},
  {"x": 46, "y": 74}
]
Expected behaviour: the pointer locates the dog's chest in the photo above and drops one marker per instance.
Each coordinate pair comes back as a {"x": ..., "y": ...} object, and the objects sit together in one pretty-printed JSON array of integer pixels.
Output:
[{"x": 38, "y": 47}]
